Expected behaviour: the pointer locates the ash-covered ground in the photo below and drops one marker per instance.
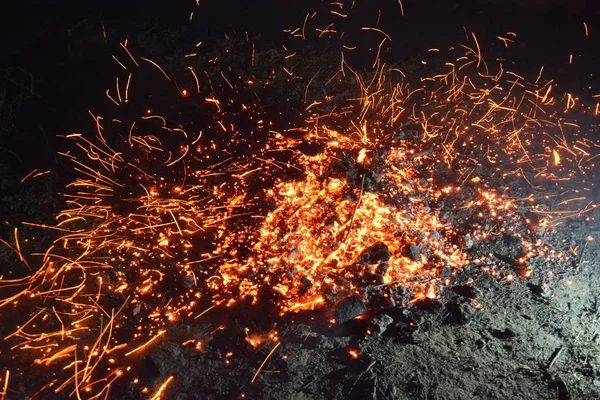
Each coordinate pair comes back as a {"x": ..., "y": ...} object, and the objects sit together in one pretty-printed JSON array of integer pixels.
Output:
[{"x": 505, "y": 327}]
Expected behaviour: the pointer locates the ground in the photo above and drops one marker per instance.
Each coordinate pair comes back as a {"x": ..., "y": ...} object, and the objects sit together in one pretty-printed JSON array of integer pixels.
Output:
[{"x": 525, "y": 342}]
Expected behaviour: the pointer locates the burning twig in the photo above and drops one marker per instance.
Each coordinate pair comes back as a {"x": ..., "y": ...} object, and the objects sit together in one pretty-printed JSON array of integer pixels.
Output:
[
  {"x": 4, "y": 391},
  {"x": 264, "y": 362},
  {"x": 159, "y": 392}
]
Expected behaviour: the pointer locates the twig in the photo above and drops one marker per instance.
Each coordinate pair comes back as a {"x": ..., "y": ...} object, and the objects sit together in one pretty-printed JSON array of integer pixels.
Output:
[
  {"x": 4, "y": 391},
  {"x": 13, "y": 153},
  {"x": 581, "y": 253},
  {"x": 360, "y": 376},
  {"x": 362, "y": 188},
  {"x": 310, "y": 381},
  {"x": 264, "y": 362},
  {"x": 555, "y": 356}
]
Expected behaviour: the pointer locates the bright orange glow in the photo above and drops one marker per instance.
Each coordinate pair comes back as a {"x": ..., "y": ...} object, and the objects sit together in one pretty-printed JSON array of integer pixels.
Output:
[{"x": 159, "y": 392}]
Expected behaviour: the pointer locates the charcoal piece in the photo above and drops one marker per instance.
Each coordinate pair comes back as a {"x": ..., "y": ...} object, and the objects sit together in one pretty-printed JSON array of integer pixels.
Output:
[
  {"x": 344, "y": 165},
  {"x": 467, "y": 242},
  {"x": 380, "y": 323},
  {"x": 349, "y": 308},
  {"x": 375, "y": 177},
  {"x": 353, "y": 178},
  {"x": 404, "y": 331},
  {"x": 306, "y": 282},
  {"x": 540, "y": 290},
  {"x": 459, "y": 313},
  {"x": 412, "y": 251},
  {"x": 370, "y": 186},
  {"x": 188, "y": 281},
  {"x": 166, "y": 358},
  {"x": 382, "y": 268},
  {"x": 464, "y": 291},
  {"x": 348, "y": 167},
  {"x": 374, "y": 278},
  {"x": 372, "y": 180},
  {"x": 505, "y": 334},
  {"x": 399, "y": 136},
  {"x": 377, "y": 253}
]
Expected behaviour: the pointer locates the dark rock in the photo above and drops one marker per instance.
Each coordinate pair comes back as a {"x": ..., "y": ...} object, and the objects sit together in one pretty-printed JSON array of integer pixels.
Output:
[
  {"x": 379, "y": 324},
  {"x": 374, "y": 278},
  {"x": 375, "y": 177},
  {"x": 382, "y": 268},
  {"x": 404, "y": 332},
  {"x": 459, "y": 313},
  {"x": 168, "y": 358},
  {"x": 513, "y": 247},
  {"x": 411, "y": 251},
  {"x": 467, "y": 242},
  {"x": 540, "y": 290},
  {"x": 306, "y": 282},
  {"x": 377, "y": 253},
  {"x": 188, "y": 281},
  {"x": 399, "y": 136},
  {"x": 505, "y": 334},
  {"x": 372, "y": 181},
  {"x": 464, "y": 291},
  {"x": 349, "y": 167},
  {"x": 349, "y": 308},
  {"x": 428, "y": 304}
]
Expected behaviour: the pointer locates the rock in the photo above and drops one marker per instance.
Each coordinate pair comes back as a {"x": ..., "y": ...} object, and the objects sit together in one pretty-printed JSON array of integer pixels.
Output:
[
  {"x": 306, "y": 282},
  {"x": 349, "y": 308},
  {"x": 460, "y": 313},
  {"x": 399, "y": 136},
  {"x": 374, "y": 278},
  {"x": 464, "y": 291},
  {"x": 404, "y": 332},
  {"x": 541, "y": 231},
  {"x": 137, "y": 307},
  {"x": 375, "y": 254},
  {"x": 446, "y": 272},
  {"x": 347, "y": 166},
  {"x": 379, "y": 324},
  {"x": 168, "y": 359},
  {"x": 468, "y": 242},
  {"x": 505, "y": 334},
  {"x": 188, "y": 281},
  {"x": 382, "y": 268},
  {"x": 412, "y": 251},
  {"x": 542, "y": 291}
]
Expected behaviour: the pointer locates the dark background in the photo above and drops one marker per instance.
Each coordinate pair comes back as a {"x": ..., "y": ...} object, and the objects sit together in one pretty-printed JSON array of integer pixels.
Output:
[{"x": 57, "y": 47}]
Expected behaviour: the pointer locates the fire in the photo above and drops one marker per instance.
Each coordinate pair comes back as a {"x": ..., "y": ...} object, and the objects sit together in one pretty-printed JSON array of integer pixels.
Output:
[
  {"x": 355, "y": 354},
  {"x": 314, "y": 239}
]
